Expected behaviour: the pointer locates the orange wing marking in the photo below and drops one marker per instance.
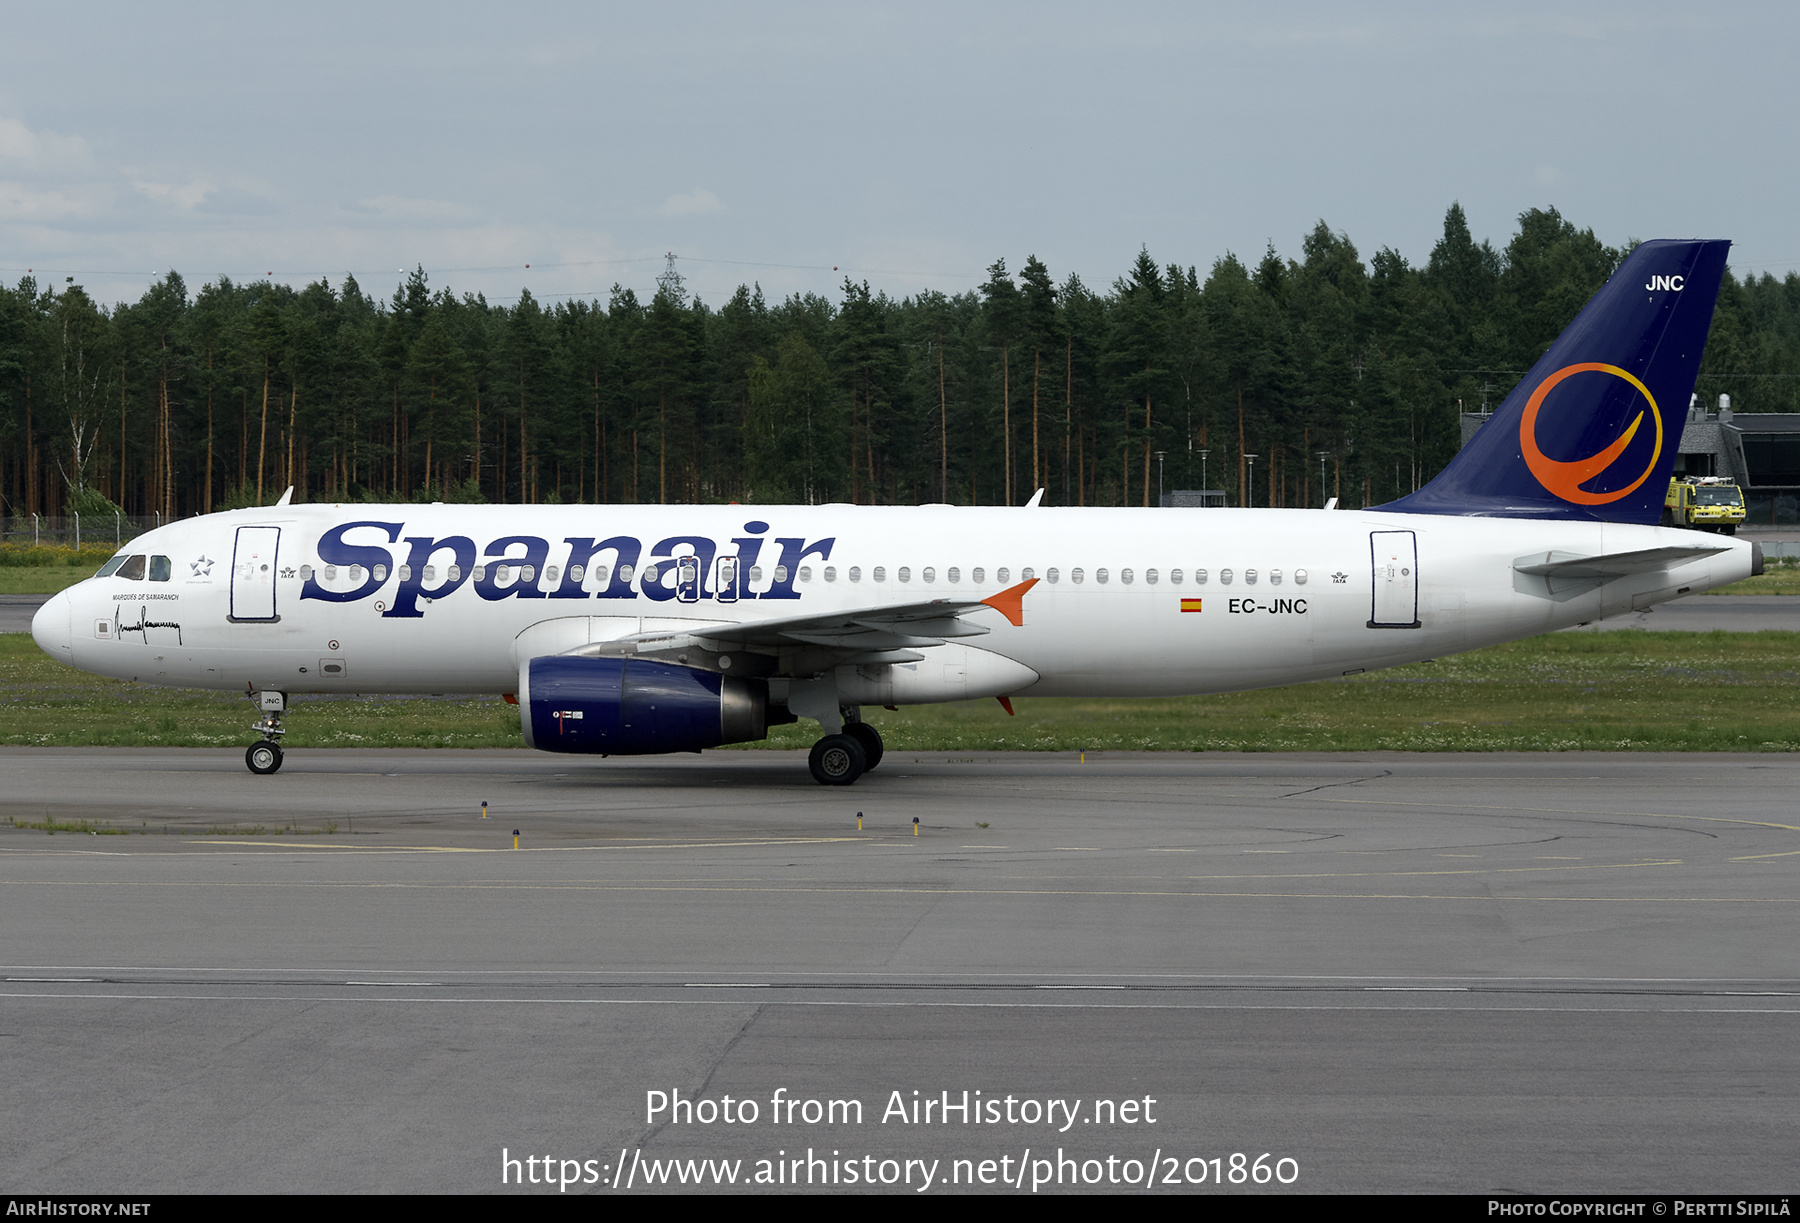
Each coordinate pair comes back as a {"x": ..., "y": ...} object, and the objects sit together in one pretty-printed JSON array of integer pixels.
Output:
[{"x": 1011, "y": 602}]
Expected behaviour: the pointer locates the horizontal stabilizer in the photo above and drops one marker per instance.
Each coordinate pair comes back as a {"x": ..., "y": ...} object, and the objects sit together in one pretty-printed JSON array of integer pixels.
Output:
[{"x": 1568, "y": 566}]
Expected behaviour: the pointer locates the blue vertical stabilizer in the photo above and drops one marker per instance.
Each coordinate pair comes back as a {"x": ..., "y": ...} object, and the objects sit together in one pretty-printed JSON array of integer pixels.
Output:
[{"x": 1591, "y": 432}]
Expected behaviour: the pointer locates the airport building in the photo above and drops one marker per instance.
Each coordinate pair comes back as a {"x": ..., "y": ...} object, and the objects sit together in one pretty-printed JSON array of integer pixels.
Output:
[{"x": 1760, "y": 451}]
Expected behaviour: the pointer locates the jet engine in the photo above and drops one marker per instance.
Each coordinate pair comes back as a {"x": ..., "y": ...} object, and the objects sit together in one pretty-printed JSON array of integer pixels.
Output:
[{"x": 636, "y": 707}]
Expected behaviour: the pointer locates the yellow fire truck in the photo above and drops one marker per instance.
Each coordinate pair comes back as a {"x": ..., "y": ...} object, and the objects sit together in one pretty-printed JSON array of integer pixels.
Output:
[{"x": 1704, "y": 503}]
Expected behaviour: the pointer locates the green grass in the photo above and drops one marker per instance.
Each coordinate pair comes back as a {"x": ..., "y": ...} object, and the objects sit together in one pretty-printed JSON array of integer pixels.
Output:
[
  {"x": 1624, "y": 691},
  {"x": 1780, "y": 576},
  {"x": 39, "y": 579}
]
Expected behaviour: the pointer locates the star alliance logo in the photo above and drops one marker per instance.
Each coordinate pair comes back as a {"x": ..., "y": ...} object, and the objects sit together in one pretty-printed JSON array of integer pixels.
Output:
[{"x": 202, "y": 568}]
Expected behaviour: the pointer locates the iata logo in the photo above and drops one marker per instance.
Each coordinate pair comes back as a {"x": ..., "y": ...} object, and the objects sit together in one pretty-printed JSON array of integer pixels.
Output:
[{"x": 1564, "y": 479}]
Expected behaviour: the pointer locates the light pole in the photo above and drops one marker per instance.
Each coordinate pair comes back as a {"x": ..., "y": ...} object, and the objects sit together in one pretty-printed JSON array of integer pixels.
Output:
[
  {"x": 1250, "y": 488},
  {"x": 1159, "y": 478},
  {"x": 1203, "y": 484},
  {"x": 1322, "y": 454}
]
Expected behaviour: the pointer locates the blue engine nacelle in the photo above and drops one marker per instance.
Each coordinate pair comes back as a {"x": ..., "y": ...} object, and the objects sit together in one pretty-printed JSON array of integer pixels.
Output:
[{"x": 634, "y": 707}]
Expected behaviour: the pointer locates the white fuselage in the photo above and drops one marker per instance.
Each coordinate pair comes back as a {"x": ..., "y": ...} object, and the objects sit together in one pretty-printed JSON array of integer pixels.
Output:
[{"x": 1167, "y": 601}]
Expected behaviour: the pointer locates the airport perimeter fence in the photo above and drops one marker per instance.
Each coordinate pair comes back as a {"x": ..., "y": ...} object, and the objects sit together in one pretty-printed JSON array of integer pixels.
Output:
[{"x": 75, "y": 530}]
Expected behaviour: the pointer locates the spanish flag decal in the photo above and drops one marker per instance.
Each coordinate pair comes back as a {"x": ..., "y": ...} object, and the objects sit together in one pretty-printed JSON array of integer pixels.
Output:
[{"x": 1188, "y": 605}]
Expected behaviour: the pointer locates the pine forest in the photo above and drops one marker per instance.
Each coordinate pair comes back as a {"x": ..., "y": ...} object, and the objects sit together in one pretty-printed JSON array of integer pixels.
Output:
[{"x": 1278, "y": 382}]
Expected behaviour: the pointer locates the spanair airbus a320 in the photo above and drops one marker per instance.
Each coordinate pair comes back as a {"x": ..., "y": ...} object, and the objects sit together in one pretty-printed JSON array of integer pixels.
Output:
[{"x": 626, "y": 630}]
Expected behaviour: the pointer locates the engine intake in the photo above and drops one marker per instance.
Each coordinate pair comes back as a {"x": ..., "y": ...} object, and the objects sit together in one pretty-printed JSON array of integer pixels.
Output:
[{"x": 634, "y": 707}]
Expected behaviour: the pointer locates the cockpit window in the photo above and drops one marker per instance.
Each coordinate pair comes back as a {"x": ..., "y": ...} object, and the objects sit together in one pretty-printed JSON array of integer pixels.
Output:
[
  {"x": 133, "y": 568},
  {"x": 111, "y": 567},
  {"x": 160, "y": 569}
]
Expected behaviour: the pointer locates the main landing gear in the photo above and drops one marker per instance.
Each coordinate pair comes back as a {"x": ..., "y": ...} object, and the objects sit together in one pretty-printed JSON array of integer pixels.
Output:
[
  {"x": 265, "y": 757},
  {"x": 838, "y": 760}
]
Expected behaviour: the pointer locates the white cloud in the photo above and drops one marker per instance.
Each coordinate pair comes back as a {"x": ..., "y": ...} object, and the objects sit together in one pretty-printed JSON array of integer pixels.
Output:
[
  {"x": 78, "y": 201},
  {"x": 418, "y": 211},
  {"x": 695, "y": 202},
  {"x": 186, "y": 196},
  {"x": 42, "y": 150}
]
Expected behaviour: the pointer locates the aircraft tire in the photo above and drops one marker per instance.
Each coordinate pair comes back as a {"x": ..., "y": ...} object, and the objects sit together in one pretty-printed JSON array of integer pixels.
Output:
[
  {"x": 870, "y": 738},
  {"x": 263, "y": 758},
  {"x": 837, "y": 760}
]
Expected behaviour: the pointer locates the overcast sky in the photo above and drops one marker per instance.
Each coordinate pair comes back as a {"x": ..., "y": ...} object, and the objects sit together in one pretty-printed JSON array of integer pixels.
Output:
[{"x": 907, "y": 144}]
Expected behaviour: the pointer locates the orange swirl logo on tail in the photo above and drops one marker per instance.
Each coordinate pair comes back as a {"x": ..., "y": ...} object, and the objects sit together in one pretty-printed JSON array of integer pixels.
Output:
[{"x": 1565, "y": 479}]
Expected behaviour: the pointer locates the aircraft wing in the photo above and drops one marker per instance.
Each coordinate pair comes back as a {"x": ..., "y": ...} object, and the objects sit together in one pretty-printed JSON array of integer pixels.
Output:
[{"x": 859, "y": 631}]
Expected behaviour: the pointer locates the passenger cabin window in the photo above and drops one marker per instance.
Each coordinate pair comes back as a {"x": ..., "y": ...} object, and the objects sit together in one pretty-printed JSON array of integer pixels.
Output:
[
  {"x": 1004, "y": 575},
  {"x": 576, "y": 572},
  {"x": 929, "y": 574},
  {"x": 856, "y": 573},
  {"x": 1299, "y": 577},
  {"x": 1051, "y": 576},
  {"x": 1125, "y": 576},
  {"x": 406, "y": 573},
  {"x": 1150, "y": 576},
  {"x": 550, "y": 573},
  {"x": 1025, "y": 575},
  {"x": 1174, "y": 577},
  {"x": 600, "y": 574},
  {"x": 953, "y": 576},
  {"x": 381, "y": 573},
  {"x": 528, "y": 573},
  {"x": 1075, "y": 576},
  {"x": 1225, "y": 577},
  {"x": 133, "y": 568},
  {"x": 1249, "y": 577},
  {"x": 905, "y": 574},
  {"x": 480, "y": 573},
  {"x": 1199, "y": 577},
  {"x": 1274, "y": 577},
  {"x": 331, "y": 573},
  {"x": 831, "y": 573},
  {"x": 356, "y": 573},
  {"x": 306, "y": 572},
  {"x": 881, "y": 573},
  {"x": 1100, "y": 576},
  {"x": 430, "y": 573},
  {"x": 806, "y": 573},
  {"x": 755, "y": 572},
  {"x": 160, "y": 569},
  {"x": 980, "y": 576},
  {"x": 780, "y": 574}
]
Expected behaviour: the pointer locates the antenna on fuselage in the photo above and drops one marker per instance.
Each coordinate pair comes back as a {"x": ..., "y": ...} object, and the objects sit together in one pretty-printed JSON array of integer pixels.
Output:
[
  {"x": 1036, "y": 499},
  {"x": 287, "y": 496}
]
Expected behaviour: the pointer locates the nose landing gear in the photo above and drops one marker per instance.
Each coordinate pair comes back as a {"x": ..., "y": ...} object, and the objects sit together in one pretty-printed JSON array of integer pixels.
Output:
[{"x": 265, "y": 757}]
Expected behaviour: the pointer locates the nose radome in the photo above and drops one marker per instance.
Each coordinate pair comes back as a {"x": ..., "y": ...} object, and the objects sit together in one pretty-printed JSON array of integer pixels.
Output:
[{"x": 50, "y": 627}]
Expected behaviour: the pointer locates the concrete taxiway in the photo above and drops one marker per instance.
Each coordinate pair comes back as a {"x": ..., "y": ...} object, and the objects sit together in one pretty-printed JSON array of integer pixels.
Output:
[{"x": 1483, "y": 973}]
